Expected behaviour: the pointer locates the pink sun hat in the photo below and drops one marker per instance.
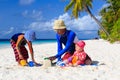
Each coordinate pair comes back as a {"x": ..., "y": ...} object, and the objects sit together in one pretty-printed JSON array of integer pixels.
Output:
[{"x": 81, "y": 44}]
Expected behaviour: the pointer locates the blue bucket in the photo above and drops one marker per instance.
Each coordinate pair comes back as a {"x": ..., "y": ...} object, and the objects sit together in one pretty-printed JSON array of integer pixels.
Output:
[{"x": 31, "y": 63}]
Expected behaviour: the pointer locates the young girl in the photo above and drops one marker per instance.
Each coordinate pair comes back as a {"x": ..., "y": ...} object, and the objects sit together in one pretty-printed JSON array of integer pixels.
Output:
[
  {"x": 18, "y": 42},
  {"x": 79, "y": 57}
]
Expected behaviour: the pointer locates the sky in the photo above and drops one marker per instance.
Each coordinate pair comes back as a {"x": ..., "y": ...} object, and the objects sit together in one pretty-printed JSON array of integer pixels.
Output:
[{"x": 17, "y": 16}]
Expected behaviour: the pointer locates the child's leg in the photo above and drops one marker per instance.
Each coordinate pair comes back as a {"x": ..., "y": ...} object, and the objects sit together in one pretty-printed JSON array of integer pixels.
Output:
[
  {"x": 68, "y": 61},
  {"x": 66, "y": 56},
  {"x": 13, "y": 45},
  {"x": 24, "y": 52},
  {"x": 19, "y": 62},
  {"x": 88, "y": 61}
]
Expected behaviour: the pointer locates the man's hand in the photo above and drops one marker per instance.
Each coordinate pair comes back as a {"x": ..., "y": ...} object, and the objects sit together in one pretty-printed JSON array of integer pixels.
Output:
[{"x": 52, "y": 58}]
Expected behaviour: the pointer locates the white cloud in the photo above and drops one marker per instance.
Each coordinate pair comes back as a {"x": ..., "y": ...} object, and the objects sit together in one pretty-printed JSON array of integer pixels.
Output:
[
  {"x": 25, "y": 13},
  {"x": 26, "y": 2},
  {"x": 85, "y": 27},
  {"x": 83, "y": 23},
  {"x": 34, "y": 14},
  {"x": 9, "y": 31},
  {"x": 104, "y": 6},
  {"x": 41, "y": 26}
]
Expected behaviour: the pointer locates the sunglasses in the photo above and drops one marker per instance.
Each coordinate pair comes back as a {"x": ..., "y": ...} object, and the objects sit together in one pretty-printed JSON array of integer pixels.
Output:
[{"x": 57, "y": 30}]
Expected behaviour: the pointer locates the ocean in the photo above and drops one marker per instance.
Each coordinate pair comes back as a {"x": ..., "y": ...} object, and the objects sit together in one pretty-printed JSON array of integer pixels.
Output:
[{"x": 6, "y": 42}]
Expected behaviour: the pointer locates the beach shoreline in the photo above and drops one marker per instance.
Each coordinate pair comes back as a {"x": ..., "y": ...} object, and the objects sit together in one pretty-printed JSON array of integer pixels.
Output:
[{"x": 104, "y": 55}]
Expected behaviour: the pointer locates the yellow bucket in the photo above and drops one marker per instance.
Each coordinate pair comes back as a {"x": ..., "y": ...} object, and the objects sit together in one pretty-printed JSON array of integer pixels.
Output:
[{"x": 23, "y": 63}]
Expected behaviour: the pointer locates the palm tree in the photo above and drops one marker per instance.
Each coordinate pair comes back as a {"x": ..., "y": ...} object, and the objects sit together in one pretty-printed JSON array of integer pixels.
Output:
[
  {"x": 83, "y": 5},
  {"x": 110, "y": 16}
]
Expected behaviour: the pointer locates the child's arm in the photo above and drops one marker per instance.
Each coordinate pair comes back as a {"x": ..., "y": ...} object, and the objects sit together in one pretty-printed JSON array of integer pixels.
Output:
[{"x": 18, "y": 43}]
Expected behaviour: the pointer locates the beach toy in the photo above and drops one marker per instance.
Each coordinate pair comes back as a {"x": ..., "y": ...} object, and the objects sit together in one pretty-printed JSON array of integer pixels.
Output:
[
  {"x": 60, "y": 63},
  {"x": 23, "y": 62},
  {"x": 46, "y": 63},
  {"x": 46, "y": 58},
  {"x": 31, "y": 63},
  {"x": 74, "y": 60}
]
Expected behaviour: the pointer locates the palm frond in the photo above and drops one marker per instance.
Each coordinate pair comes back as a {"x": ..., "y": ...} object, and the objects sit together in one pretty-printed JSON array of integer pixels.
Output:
[
  {"x": 69, "y": 5},
  {"x": 88, "y": 3},
  {"x": 75, "y": 11},
  {"x": 79, "y": 2}
]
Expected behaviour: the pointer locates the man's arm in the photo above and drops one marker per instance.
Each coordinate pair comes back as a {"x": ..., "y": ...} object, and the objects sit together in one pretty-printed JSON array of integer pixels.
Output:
[{"x": 70, "y": 40}]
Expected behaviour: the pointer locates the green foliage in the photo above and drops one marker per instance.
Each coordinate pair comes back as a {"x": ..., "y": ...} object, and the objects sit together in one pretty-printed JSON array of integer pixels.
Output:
[
  {"x": 69, "y": 5},
  {"x": 111, "y": 20},
  {"x": 77, "y": 6},
  {"x": 115, "y": 32}
]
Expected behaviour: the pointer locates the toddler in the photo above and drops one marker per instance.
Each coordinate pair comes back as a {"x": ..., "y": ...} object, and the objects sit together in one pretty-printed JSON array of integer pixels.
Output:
[{"x": 79, "y": 57}]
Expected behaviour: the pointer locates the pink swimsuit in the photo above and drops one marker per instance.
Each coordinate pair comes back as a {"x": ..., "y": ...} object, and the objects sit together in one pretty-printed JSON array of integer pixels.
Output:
[{"x": 78, "y": 58}]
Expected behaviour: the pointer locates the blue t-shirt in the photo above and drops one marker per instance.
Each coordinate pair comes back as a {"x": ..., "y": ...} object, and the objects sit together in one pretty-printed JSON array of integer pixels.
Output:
[
  {"x": 15, "y": 36},
  {"x": 68, "y": 40}
]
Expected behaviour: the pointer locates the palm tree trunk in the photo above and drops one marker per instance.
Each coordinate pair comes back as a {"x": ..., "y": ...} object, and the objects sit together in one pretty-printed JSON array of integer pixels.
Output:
[{"x": 97, "y": 21}]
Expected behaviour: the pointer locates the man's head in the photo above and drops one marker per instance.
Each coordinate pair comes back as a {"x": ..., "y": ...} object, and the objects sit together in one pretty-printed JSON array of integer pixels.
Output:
[{"x": 59, "y": 26}]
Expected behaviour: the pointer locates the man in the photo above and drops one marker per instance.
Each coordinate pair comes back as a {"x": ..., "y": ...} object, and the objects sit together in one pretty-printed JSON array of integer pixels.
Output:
[{"x": 64, "y": 37}]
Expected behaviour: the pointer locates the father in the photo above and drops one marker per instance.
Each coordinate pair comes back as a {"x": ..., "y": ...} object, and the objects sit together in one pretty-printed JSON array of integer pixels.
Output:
[{"x": 64, "y": 37}]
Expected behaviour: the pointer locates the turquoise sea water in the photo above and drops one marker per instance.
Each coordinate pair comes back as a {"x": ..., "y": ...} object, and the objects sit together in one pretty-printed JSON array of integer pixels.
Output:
[{"x": 6, "y": 42}]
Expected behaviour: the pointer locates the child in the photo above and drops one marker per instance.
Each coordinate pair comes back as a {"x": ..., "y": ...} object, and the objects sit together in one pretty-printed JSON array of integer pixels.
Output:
[
  {"x": 18, "y": 42},
  {"x": 79, "y": 57}
]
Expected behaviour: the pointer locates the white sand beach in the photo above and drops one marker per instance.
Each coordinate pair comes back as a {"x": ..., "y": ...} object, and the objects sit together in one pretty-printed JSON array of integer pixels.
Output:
[{"x": 106, "y": 56}]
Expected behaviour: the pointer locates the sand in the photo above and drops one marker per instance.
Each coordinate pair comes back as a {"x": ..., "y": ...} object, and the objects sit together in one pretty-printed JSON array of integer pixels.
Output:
[{"x": 105, "y": 56}]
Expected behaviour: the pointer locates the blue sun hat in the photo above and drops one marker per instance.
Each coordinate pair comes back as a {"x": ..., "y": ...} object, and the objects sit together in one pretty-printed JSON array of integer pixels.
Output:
[{"x": 30, "y": 35}]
